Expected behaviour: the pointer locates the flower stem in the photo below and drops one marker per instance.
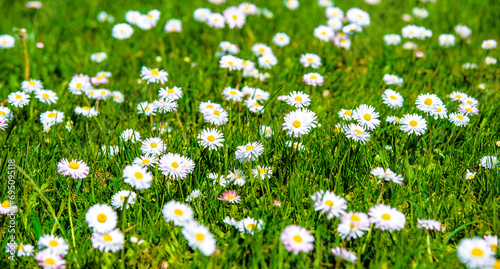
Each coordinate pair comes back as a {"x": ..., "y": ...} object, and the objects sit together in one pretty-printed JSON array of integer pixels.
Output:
[{"x": 24, "y": 38}]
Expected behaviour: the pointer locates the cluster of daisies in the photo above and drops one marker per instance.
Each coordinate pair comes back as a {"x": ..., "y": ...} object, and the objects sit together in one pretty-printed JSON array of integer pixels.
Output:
[{"x": 233, "y": 16}]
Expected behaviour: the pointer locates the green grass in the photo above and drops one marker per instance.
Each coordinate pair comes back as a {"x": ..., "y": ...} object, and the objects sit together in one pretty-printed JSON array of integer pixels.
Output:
[{"x": 434, "y": 183}]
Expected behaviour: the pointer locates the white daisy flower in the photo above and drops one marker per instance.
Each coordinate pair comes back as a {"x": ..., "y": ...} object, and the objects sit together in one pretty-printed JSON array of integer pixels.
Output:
[
  {"x": 357, "y": 133},
  {"x": 147, "y": 108},
  {"x": 137, "y": 177},
  {"x": 254, "y": 106},
  {"x": 310, "y": 59},
  {"x": 489, "y": 44},
  {"x": 18, "y": 99},
  {"x": 353, "y": 225},
  {"x": 299, "y": 122},
  {"x": 420, "y": 12},
  {"x": 328, "y": 203},
  {"x": 323, "y": 33},
  {"x": 237, "y": 177},
  {"x": 267, "y": 61},
  {"x": 475, "y": 253},
  {"x": 440, "y": 113},
  {"x": 392, "y": 39},
  {"x": 366, "y": 117},
  {"x": 75, "y": 169},
  {"x": 463, "y": 31},
  {"x": 334, "y": 24},
  {"x": 313, "y": 79},
  {"x": 176, "y": 166},
  {"x": 470, "y": 175},
  {"x": 46, "y": 96},
  {"x": 111, "y": 241},
  {"x": 6, "y": 41},
  {"x": 413, "y": 123},
  {"x": 392, "y": 98},
  {"x": 490, "y": 60},
  {"x": 387, "y": 218},
  {"x": 199, "y": 237},
  {"x": 295, "y": 145},
  {"x": 345, "y": 114},
  {"x": 98, "y": 57},
  {"x": 130, "y": 135},
  {"x": 249, "y": 152},
  {"x": 211, "y": 139},
  {"x": 216, "y": 20},
  {"x": 231, "y": 94},
  {"x": 102, "y": 218},
  {"x": 334, "y": 13},
  {"x": 249, "y": 225},
  {"x": 79, "y": 83},
  {"x": 459, "y": 119},
  {"x": 358, "y": 16},
  {"x": 428, "y": 102},
  {"x": 32, "y": 85},
  {"x": 118, "y": 199},
  {"x": 50, "y": 259},
  {"x": 201, "y": 14},
  {"x": 193, "y": 195},
  {"x": 234, "y": 16},
  {"x": 218, "y": 179},
  {"x": 53, "y": 243},
  {"x": 446, "y": 40},
  {"x": 392, "y": 80},
  {"x": 177, "y": 212},
  {"x": 153, "y": 145},
  {"x": 122, "y": 31},
  {"x": 292, "y": 4},
  {"x": 489, "y": 162},
  {"x": 146, "y": 160},
  {"x": 262, "y": 172},
  {"x": 266, "y": 131},
  {"x": 281, "y": 39},
  {"x": 154, "y": 75},
  {"x": 173, "y": 25},
  {"x": 429, "y": 224},
  {"x": 297, "y": 239},
  {"x": 217, "y": 116},
  {"x": 343, "y": 253},
  {"x": 49, "y": 118}
]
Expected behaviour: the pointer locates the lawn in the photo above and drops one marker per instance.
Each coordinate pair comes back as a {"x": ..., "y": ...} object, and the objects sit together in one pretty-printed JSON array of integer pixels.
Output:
[{"x": 284, "y": 185}]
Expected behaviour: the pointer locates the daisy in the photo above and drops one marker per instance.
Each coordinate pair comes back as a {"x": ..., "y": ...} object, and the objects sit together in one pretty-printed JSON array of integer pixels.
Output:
[
  {"x": 353, "y": 225},
  {"x": 98, "y": 57},
  {"x": 237, "y": 177},
  {"x": 255, "y": 93},
  {"x": 193, "y": 195},
  {"x": 295, "y": 145},
  {"x": 420, "y": 12},
  {"x": 235, "y": 17},
  {"x": 410, "y": 45},
  {"x": 249, "y": 225},
  {"x": 344, "y": 254},
  {"x": 267, "y": 61},
  {"x": 262, "y": 172},
  {"x": 489, "y": 162},
  {"x": 162, "y": 127},
  {"x": 217, "y": 116},
  {"x": 231, "y": 94},
  {"x": 6, "y": 41},
  {"x": 176, "y": 166},
  {"x": 3, "y": 123},
  {"x": 428, "y": 102},
  {"x": 358, "y": 16},
  {"x": 475, "y": 253},
  {"x": 46, "y": 96},
  {"x": 446, "y": 40},
  {"x": 248, "y": 8},
  {"x": 329, "y": 203},
  {"x": 281, "y": 39},
  {"x": 132, "y": 16},
  {"x": 325, "y": 3},
  {"x": 387, "y": 175},
  {"x": 313, "y": 79},
  {"x": 248, "y": 65},
  {"x": 231, "y": 63},
  {"x": 18, "y": 99},
  {"x": 468, "y": 109},
  {"x": 118, "y": 199},
  {"x": 208, "y": 106},
  {"x": 392, "y": 98},
  {"x": 489, "y": 44},
  {"x": 413, "y": 123},
  {"x": 32, "y": 85},
  {"x": 345, "y": 114},
  {"x": 102, "y": 218},
  {"x": 352, "y": 29},
  {"x": 230, "y": 196},
  {"x": 254, "y": 106},
  {"x": 490, "y": 60},
  {"x": 470, "y": 101},
  {"x": 7, "y": 208},
  {"x": 153, "y": 145},
  {"x": 111, "y": 241},
  {"x": 153, "y": 16},
  {"x": 440, "y": 112},
  {"x": 53, "y": 243},
  {"x": 199, "y": 237},
  {"x": 79, "y": 83},
  {"x": 469, "y": 66},
  {"x": 130, "y": 135},
  {"x": 25, "y": 250},
  {"x": 266, "y": 131},
  {"x": 392, "y": 39},
  {"x": 334, "y": 13},
  {"x": 492, "y": 241},
  {"x": 218, "y": 179},
  {"x": 146, "y": 160},
  {"x": 146, "y": 108},
  {"x": 310, "y": 59},
  {"x": 429, "y": 224},
  {"x": 459, "y": 119},
  {"x": 49, "y": 118},
  {"x": 201, "y": 14},
  {"x": 392, "y": 80},
  {"x": 387, "y": 218},
  {"x": 249, "y": 152},
  {"x": 216, "y": 20},
  {"x": 457, "y": 96},
  {"x": 366, "y": 117},
  {"x": 122, "y": 31},
  {"x": 180, "y": 213},
  {"x": 172, "y": 94},
  {"x": 137, "y": 176},
  {"x": 297, "y": 239},
  {"x": 299, "y": 122},
  {"x": 75, "y": 169},
  {"x": 470, "y": 175},
  {"x": 154, "y": 75},
  {"x": 173, "y": 25},
  {"x": 211, "y": 139},
  {"x": 334, "y": 24},
  {"x": 323, "y": 33},
  {"x": 49, "y": 259},
  {"x": 463, "y": 31},
  {"x": 6, "y": 113},
  {"x": 260, "y": 49}
]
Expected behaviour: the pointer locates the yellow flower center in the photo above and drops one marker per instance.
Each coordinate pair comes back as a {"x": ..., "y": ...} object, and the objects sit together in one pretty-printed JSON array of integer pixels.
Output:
[
  {"x": 297, "y": 238},
  {"x": 122, "y": 198},
  {"x": 232, "y": 92},
  {"x": 19, "y": 96},
  {"x": 477, "y": 252},
  {"x": 2, "y": 113},
  {"x": 314, "y": 77},
  {"x": 200, "y": 237},
  {"x": 298, "y": 98},
  {"x": 230, "y": 197},
  {"x": 386, "y": 216},
  {"x": 355, "y": 218},
  {"x": 296, "y": 124},
  {"x": 468, "y": 109},
  {"x": 78, "y": 85},
  {"x": 73, "y": 165},
  {"x": 107, "y": 238},
  {"x": 20, "y": 248},
  {"x": 458, "y": 96},
  {"x": 175, "y": 165},
  {"x": 428, "y": 101},
  {"x": 210, "y": 106},
  {"x": 50, "y": 261},
  {"x": 397, "y": 119},
  {"x": 367, "y": 117},
  {"x": 32, "y": 83},
  {"x": 146, "y": 161},
  {"x": 393, "y": 97},
  {"x": 358, "y": 132},
  {"x": 155, "y": 72},
  {"x": 45, "y": 96},
  {"x": 251, "y": 226},
  {"x": 262, "y": 50},
  {"x": 5, "y": 204},
  {"x": 211, "y": 138},
  {"x": 413, "y": 123},
  {"x": 52, "y": 115},
  {"x": 138, "y": 175},
  {"x": 348, "y": 113},
  {"x": 310, "y": 60},
  {"x": 178, "y": 212},
  {"x": 256, "y": 104},
  {"x": 217, "y": 112},
  {"x": 249, "y": 147},
  {"x": 494, "y": 248},
  {"x": 329, "y": 203},
  {"x": 154, "y": 145},
  {"x": 235, "y": 17},
  {"x": 102, "y": 218},
  {"x": 86, "y": 108},
  {"x": 262, "y": 171},
  {"x": 460, "y": 117},
  {"x": 469, "y": 102},
  {"x": 53, "y": 243}
]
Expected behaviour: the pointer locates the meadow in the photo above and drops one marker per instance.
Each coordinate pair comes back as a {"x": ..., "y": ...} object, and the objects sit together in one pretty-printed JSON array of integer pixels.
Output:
[{"x": 436, "y": 206}]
